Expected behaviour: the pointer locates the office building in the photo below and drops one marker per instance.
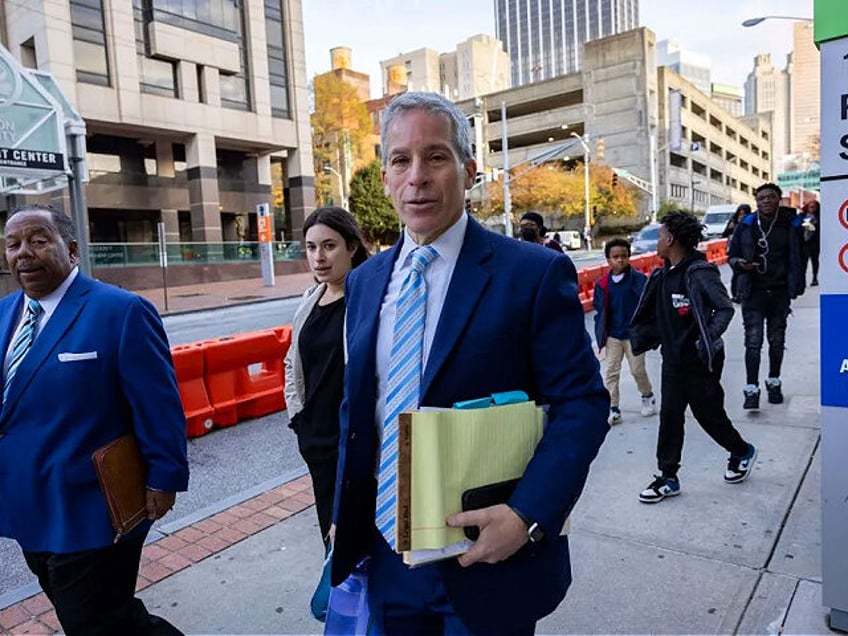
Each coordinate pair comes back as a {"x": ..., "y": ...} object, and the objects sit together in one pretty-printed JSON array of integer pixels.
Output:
[
  {"x": 805, "y": 93},
  {"x": 694, "y": 67},
  {"x": 195, "y": 110},
  {"x": 414, "y": 71},
  {"x": 544, "y": 38},
  {"x": 767, "y": 90},
  {"x": 478, "y": 65},
  {"x": 731, "y": 98}
]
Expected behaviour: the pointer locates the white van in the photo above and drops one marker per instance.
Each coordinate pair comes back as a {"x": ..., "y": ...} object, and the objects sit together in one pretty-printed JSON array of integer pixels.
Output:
[{"x": 716, "y": 218}]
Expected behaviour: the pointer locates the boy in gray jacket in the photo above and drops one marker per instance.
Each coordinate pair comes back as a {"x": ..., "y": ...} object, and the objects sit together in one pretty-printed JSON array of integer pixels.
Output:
[{"x": 685, "y": 309}]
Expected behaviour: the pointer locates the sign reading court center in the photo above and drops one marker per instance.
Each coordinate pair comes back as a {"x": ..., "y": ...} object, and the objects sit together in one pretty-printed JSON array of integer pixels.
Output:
[{"x": 32, "y": 135}]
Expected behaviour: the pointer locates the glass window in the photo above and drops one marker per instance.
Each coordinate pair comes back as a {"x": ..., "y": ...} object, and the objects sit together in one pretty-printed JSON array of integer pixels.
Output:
[
  {"x": 277, "y": 63},
  {"x": 157, "y": 76},
  {"x": 89, "y": 33},
  {"x": 91, "y": 58}
]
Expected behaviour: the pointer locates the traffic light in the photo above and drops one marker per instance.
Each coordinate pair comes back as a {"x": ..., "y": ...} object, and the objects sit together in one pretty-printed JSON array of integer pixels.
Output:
[
  {"x": 599, "y": 150},
  {"x": 614, "y": 179}
]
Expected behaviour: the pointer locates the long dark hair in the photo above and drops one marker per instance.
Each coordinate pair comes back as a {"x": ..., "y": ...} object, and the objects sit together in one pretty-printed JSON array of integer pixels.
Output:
[{"x": 341, "y": 221}]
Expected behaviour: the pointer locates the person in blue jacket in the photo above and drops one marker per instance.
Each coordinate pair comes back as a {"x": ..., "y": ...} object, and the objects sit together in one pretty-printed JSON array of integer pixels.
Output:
[
  {"x": 616, "y": 296},
  {"x": 455, "y": 312},
  {"x": 85, "y": 363}
]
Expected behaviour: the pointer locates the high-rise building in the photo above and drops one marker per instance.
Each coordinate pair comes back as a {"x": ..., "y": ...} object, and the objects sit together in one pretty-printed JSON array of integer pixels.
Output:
[
  {"x": 691, "y": 66},
  {"x": 767, "y": 91},
  {"x": 417, "y": 71},
  {"x": 478, "y": 65},
  {"x": 805, "y": 92},
  {"x": 729, "y": 97},
  {"x": 544, "y": 38},
  {"x": 196, "y": 111}
]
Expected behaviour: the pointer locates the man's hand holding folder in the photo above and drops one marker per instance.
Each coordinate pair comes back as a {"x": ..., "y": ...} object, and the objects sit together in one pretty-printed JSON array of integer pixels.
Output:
[
  {"x": 502, "y": 533},
  {"x": 467, "y": 459}
]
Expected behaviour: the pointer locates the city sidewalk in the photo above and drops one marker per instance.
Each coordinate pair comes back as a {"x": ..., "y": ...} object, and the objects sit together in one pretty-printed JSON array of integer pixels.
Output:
[
  {"x": 719, "y": 558},
  {"x": 186, "y": 298}
]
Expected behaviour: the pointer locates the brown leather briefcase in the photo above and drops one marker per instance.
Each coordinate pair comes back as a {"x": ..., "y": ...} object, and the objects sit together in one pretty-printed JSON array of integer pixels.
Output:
[{"x": 122, "y": 474}]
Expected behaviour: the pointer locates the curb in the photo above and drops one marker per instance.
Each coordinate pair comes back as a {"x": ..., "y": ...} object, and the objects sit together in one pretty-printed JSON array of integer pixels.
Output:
[
  {"x": 179, "y": 545},
  {"x": 196, "y": 310}
]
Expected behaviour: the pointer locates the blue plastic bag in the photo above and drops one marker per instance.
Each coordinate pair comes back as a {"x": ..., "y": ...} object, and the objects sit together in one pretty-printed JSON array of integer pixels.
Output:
[
  {"x": 321, "y": 596},
  {"x": 347, "y": 611}
]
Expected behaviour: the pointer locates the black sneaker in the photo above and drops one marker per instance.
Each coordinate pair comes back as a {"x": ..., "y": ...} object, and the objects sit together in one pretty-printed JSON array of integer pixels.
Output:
[
  {"x": 752, "y": 397},
  {"x": 659, "y": 489},
  {"x": 775, "y": 395},
  {"x": 815, "y": 283},
  {"x": 739, "y": 468}
]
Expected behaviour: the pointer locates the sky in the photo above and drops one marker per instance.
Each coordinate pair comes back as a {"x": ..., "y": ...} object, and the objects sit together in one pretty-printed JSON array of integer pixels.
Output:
[{"x": 379, "y": 29}]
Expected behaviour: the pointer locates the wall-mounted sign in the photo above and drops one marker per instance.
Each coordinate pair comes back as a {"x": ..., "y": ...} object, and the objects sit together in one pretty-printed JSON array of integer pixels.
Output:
[{"x": 32, "y": 134}]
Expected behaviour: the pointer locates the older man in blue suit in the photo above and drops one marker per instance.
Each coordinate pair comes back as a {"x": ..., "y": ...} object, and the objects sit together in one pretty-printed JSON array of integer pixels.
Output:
[
  {"x": 84, "y": 363},
  {"x": 498, "y": 315}
]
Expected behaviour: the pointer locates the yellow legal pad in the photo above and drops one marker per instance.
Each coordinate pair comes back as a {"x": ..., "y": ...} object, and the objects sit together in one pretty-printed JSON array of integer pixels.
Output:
[{"x": 443, "y": 453}]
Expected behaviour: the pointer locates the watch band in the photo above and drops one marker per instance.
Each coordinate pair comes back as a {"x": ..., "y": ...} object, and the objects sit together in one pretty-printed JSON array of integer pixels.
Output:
[{"x": 534, "y": 530}]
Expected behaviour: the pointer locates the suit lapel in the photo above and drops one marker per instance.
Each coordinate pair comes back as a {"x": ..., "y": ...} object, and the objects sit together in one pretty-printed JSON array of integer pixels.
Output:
[
  {"x": 9, "y": 320},
  {"x": 61, "y": 320},
  {"x": 470, "y": 278}
]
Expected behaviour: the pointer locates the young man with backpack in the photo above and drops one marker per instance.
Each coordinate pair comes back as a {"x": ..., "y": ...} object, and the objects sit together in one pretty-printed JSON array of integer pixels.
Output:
[{"x": 685, "y": 309}]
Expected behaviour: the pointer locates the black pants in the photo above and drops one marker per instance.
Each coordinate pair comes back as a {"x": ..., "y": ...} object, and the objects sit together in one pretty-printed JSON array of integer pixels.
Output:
[
  {"x": 811, "y": 254},
  {"x": 701, "y": 391},
  {"x": 772, "y": 308},
  {"x": 93, "y": 591},
  {"x": 322, "y": 469}
]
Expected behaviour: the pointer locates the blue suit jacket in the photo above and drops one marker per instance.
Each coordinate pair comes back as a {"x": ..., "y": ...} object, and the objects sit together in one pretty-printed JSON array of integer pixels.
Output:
[
  {"x": 512, "y": 320},
  {"x": 59, "y": 411}
]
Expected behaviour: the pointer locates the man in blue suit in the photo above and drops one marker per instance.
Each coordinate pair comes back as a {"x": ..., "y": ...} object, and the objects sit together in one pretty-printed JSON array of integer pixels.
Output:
[
  {"x": 84, "y": 363},
  {"x": 500, "y": 315}
]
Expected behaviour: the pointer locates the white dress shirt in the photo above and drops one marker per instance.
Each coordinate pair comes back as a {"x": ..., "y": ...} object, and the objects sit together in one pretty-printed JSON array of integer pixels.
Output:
[
  {"x": 48, "y": 304},
  {"x": 437, "y": 278}
]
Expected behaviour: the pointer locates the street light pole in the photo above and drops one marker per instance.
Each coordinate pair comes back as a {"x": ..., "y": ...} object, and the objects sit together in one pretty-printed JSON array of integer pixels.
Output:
[
  {"x": 587, "y": 229},
  {"x": 506, "y": 195},
  {"x": 329, "y": 168}
]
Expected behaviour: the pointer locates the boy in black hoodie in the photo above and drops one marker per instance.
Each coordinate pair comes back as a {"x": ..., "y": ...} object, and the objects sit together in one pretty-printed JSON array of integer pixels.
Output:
[{"x": 685, "y": 309}]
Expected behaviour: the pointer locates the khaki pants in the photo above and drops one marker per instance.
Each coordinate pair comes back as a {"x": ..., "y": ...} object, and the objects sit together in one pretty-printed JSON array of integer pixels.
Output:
[{"x": 616, "y": 351}]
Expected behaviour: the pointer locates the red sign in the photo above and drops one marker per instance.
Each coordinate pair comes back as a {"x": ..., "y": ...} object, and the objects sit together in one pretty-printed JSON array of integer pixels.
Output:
[{"x": 843, "y": 214}]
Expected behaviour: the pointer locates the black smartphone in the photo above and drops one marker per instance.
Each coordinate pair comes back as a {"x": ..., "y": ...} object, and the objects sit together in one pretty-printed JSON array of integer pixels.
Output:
[{"x": 485, "y": 496}]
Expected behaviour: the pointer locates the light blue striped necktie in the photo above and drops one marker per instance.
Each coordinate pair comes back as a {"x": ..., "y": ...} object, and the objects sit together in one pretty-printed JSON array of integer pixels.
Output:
[
  {"x": 403, "y": 382},
  {"x": 23, "y": 342}
]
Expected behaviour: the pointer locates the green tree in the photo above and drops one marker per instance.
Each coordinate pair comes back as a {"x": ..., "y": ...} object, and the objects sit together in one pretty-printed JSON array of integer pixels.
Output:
[{"x": 371, "y": 207}]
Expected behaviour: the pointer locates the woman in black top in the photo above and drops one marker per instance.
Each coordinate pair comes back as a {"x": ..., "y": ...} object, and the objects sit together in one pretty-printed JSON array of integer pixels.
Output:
[{"x": 315, "y": 361}]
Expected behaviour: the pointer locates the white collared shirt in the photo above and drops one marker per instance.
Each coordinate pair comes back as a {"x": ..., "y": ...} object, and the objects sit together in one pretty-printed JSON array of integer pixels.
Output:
[
  {"x": 49, "y": 304},
  {"x": 437, "y": 277}
]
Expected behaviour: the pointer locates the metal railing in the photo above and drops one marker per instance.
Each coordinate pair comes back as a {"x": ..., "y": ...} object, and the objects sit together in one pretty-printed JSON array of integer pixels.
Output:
[{"x": 140, "y": 254}]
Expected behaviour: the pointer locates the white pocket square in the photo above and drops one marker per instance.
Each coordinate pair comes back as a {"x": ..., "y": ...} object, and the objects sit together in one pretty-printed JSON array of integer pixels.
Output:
[{"x": 75, "y": 357}]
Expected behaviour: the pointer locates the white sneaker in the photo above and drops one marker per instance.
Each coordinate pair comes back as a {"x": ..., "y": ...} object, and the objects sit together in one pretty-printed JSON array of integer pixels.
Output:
[
  {"x": 614, "y": 417},
  {"x": 649, "y": 406}
]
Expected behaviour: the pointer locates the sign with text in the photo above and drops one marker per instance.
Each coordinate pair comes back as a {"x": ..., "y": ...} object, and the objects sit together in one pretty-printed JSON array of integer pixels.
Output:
[
  {"x": 265, "y": 227},
  {"x": 32, "y": 135},
  {"x": 834, "y": 167}
]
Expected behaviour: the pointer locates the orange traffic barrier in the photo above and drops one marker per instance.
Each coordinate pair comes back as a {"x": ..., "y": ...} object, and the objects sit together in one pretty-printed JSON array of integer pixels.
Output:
[
  {"x": 244, "y": 376},
  {"x": 188, "y": 364}
]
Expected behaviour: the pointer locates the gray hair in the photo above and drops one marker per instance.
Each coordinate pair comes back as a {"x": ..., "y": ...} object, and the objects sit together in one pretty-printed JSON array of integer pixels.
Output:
[
  {"x": 432, "y": 103},
  {"x": 64, "y": 224}
]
